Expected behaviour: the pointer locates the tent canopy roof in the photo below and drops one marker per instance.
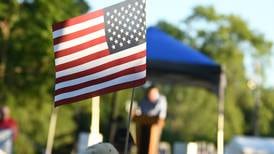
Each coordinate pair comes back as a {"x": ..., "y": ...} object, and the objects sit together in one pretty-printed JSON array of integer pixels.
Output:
[
  {"x": 164, "y": 47},
  {"x": 170, "y": 60}
]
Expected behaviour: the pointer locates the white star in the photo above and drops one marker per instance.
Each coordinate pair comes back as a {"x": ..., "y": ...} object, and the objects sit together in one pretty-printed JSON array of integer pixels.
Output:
[
  {"x": 111, "y": 38},
  {"x": 135, "y": 17},
  {"x": 122, "y": 8},
  {"x": 120, "y": 22},
  {"x": 108, "y": 13},
  {"x": 130, "y": 14},
  {"x": 113, "y": 47},
  {"x": 124, "y": 39},
  {"x": 119, "y": 14},
  {"x": 140, "y": 19},
  {"x": 121, "y": 44},
  {"x": 127, "y": 33},
  {"x": 138, "y": 12},
  {"x": 144, "y": 36},
  {"x": 132, "y": 36},
  {"x": 132, "y": 22},
  {"x": 127, "y": 19},
  {"x": 115, "y": 19},
  {"x": 138, "y": 25},
  {"x": 122, "y": 30},
  {"x": 119, "y": 36},
  {"x": 129, "y": 27},
  {"x": 143, "y": 15},
  {"x": 136, "y": 3},
  {"x": 116, "y": 41},
  {"x": 112, "y": 16},
  {"x": 139, "y": 33},
  {"x": 124, "y": 25},
  {"x": 114, "y": 33},
  {"x": 123, "y": 17},
  {"x": 136, "y": 39},
  {"x": 126, "y": 11},
  {"x": 129, "y": 6},
  {"x": 141, "y": 6},
  {"x": 109, "y": 30},
  {"x": 112, "y": 24},
  {"x": 115, "y": 11},
  {"x": 133, "y": 9},
  {"x": 134, "y": 31},
  {"x": 116, "y": 27},
  {"x": 142, "y": 28},
  {"x": 128, "y": 41}
]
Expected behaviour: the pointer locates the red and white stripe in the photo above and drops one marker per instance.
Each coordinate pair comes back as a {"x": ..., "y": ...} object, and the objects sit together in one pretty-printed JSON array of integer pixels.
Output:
[{"x": 85, "y": 68}]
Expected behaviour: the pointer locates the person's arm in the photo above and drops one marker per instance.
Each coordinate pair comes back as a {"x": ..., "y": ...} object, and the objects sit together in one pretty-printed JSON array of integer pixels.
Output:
[
  {"x": 137, "y": 110},
  {"x": 163, "y": 111}
]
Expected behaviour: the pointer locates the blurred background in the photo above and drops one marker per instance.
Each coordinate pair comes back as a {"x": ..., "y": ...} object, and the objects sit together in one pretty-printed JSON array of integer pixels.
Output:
[{"x": 238, "y": 35}]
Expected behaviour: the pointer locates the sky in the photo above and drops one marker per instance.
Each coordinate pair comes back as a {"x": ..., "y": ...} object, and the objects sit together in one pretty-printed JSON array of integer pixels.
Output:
[{"x": 259, "y": 14}]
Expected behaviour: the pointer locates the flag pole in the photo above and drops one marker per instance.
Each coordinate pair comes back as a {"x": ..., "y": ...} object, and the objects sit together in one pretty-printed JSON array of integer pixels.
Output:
[
  {"x": 129, "y": 120},
  {"x": 51, "y": 133},
  {"x": 95, "y": 136}
]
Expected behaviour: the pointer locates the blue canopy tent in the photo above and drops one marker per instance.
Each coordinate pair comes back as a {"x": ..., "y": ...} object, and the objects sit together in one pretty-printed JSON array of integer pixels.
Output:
[{"x": 172, "y": 61}]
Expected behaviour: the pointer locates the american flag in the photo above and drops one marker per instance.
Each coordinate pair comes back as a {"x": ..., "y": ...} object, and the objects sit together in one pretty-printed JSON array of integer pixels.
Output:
[{"x": 100, "y": 52}]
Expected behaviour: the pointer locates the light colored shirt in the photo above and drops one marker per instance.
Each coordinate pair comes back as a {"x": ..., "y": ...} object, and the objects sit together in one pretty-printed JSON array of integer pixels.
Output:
[{"x": 158, "y": 108}]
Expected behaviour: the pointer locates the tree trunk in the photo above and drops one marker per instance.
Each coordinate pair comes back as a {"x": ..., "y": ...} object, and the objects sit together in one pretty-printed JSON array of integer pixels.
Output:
[{"x": 3, "y": 60}]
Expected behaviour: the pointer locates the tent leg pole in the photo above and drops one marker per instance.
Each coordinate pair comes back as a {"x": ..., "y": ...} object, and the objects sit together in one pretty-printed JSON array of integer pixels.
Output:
[{"x": 220, "y": 133}]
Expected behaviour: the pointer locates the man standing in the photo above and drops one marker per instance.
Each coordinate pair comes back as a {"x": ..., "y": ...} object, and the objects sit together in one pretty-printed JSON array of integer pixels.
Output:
[{"x": 154, "y": 105}]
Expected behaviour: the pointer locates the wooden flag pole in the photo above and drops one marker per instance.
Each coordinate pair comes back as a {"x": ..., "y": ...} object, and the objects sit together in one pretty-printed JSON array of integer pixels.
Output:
[
  {"x": 51, "y": 133},
  {"x": 95, "y": 137},
  {"x": 129, "y": 120}
]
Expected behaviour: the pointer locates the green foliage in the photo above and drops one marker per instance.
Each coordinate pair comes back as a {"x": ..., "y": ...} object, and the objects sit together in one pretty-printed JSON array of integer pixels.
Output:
[
  {"x": 26, "y": 68},
  {"x": 227, "y": 39},
  {"x": 172, "y": 30},
  {"x": 185, "y": 117},
  {"x": 27, "y": 77},
  {"x": 266, "y": 117}
]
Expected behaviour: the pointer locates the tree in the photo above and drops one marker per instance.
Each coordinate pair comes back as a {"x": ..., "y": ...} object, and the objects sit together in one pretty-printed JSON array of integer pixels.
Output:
[
  {"x": 227, "y": 39},
  {"x": 26, "y": 66},
  {"x": 27, "y": 76}
]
